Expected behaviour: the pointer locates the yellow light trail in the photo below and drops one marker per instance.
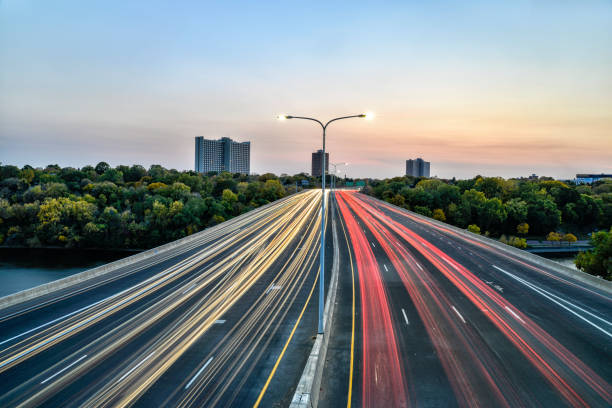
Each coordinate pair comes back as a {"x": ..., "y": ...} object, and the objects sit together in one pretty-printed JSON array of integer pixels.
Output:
[{"x": 248, "y": 255}]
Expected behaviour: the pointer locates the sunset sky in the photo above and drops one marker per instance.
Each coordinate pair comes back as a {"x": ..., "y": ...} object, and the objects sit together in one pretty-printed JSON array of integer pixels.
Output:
[{"x": 476, "y": 87}]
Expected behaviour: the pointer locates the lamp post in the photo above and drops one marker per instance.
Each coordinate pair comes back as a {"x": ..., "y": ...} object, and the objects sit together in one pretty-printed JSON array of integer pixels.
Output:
[
  {"x": 333, "y": 180},
  {"x": 322, "y": 249}
]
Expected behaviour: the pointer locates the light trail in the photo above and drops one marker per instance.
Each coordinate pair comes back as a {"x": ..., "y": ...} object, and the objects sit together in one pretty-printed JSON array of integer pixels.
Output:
[
  {"x": 201, "y": 292},
  {"x": 564, "y": 371},
  {"x": 349, "y": 399},
  {"x": 383, "y": 381},
  {"x": 450, "y": 232},
  {"x": 433, "y": 308}
]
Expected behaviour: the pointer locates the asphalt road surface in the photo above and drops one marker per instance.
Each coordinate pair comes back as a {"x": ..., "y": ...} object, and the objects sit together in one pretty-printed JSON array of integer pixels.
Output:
[
  {"x": 425, "y": 316},
  {"x": 429, "y": 317},
  {"x": 223, "y": 321}
]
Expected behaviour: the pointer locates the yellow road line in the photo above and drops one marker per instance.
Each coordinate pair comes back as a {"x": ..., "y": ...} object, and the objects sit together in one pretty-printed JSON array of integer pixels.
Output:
[
  {"x": 292, "y": 268},
  {"x": 350, "y": 388},
  {"x": 280, "y": 357}
]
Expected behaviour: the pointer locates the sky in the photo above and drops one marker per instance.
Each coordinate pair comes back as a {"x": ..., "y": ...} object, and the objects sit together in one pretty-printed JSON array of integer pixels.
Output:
[{"x": 475, "y": 87}]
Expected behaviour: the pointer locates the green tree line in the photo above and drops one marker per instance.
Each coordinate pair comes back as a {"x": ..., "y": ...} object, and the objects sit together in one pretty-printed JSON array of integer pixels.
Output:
[
  {"x": 500, "y": 207},
  {"x": 124, "y": 206}
]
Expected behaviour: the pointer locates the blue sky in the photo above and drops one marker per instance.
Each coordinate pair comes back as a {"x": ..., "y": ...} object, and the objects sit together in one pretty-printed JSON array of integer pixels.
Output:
[{"x": 495, "y": 88}]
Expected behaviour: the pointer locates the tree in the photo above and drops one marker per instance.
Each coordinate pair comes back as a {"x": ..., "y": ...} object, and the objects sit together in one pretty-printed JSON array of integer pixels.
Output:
[
  {"x": 522, "y": 228},
  {"x": 157, "y": 173},
  {"x": 92, "y": 234},
  {"x": 112, "y": 175},
  {"x": 588, "y": 209},
  {"x": 490, "y": 186},
  {"x": 62, "y": 219},
  {"x": 273, "y": 190},
  {"x": 569, "y": 238},
  {"x": 492, "y": 214},
  {"x": 102, "y": 167},
  {"x": 398, "y": 200},
  {"x": 27, "y": 175},
  {"x": 177, "y": 191},
  {"x": 267, "y": 176},
  {"x": 134, "y": 173},
  {"x": 156, "y": 185},
  {"x": 597, "y": 261},
  {"x": 517, "y": 211},
  {"x": 421, "y": 197},
  {"x": 543, "y": 214},
  {"x": 92, "y": 207},
  {"x": 216, "y": 219},
  {"x": 517, "y": 242},
  {"x": 9, "y": 172},
  {"x": 34, "y": 193},
  {"x": 55, "y": 190},
  {"x": 430, "y": 184},
  {"x": 474, "y": 228},
  {"x": 602, "y": 186},
  {"x": 553, "y": 237},
  {"x": 224, "y": 181},
  {"x": 471, "y": 205},
  {"x": 193, "y": 181},
  {"x": 229, "y": 196},
  {"x": 419, "y": 209},
  {"x": 438, "y": 214},
  {"x": 447, "y": 195},
  {"x": 388, "y": 195}
]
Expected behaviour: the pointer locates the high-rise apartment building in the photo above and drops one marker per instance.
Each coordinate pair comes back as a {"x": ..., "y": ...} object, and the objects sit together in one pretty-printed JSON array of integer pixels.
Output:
[
  {"x": 417, "y": 168},
  {"x": 316, "y": 163},
  {"x": 222, "y": 155}
]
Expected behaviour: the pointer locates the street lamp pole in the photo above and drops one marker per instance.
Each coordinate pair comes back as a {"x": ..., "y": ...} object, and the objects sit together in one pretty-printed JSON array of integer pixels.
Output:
[
  {"x": 333, "y": 180},
  {"x": 322, "y": 249}
]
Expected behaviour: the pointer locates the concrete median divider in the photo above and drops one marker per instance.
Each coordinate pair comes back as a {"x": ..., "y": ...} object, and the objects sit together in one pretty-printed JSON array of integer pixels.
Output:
[{"x": 47, "y": 288}]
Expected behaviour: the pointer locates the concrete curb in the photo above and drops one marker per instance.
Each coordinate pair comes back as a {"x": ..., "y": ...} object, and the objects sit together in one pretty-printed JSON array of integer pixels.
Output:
[
  {"x": 307, "y": 391},
  {"x": 583, "y": 277},
  {"x": 28, "y": 294}
]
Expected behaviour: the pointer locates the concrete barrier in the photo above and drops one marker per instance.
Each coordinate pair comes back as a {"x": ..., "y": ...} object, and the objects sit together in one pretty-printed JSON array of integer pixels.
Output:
[
  {"x": 583, "y": 277},
  {"x": 307, "y": 391},
  {"x": 44, "y": 289}
]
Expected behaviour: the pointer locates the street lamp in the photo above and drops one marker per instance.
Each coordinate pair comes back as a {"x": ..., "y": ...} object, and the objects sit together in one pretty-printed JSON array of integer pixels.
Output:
[
  {"x": 322, "y": 250},
  {"x": 333, "y": 180}
]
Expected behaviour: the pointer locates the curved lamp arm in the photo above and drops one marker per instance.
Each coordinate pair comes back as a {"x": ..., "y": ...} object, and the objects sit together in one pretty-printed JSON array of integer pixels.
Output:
[{"x": 362, "y": 115}]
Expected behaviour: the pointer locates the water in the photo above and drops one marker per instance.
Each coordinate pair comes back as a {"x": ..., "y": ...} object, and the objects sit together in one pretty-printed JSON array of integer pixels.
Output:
[
  {"x": 22, "y": 268},
  {"x": 563, "y": 260},
  {"x": 569, "y": 262}
]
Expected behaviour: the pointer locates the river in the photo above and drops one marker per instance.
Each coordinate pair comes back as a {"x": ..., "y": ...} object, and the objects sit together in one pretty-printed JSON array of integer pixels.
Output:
[{"x": 24, "y": 268}]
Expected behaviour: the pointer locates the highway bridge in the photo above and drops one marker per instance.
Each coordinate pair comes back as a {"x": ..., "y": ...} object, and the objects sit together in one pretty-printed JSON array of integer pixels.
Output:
[{"x": 425, "y": 314}]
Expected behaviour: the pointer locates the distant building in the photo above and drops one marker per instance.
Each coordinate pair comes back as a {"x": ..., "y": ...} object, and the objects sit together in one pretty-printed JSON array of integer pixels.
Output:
[
  {"x": 417, "y": 168},
  {"x": 316, "y": 163},
  {"x": 222, "y": 155},
  {"x": 590, "y": 178}
]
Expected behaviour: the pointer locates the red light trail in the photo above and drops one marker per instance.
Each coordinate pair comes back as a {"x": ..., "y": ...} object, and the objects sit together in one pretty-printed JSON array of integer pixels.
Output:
[{"x": 475, "y": 373}]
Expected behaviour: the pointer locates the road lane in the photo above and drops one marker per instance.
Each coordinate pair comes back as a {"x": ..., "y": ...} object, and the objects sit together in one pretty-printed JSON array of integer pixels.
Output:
[
  {"x": 493, "y": 345},
  {"x": 149, "y": 339}
]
